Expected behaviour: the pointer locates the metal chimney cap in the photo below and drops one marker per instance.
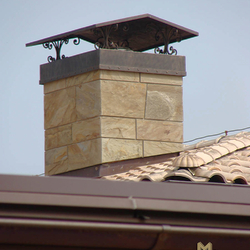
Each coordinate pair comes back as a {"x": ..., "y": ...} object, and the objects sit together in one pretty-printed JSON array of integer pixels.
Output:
[{"x": 137, "y": 33}]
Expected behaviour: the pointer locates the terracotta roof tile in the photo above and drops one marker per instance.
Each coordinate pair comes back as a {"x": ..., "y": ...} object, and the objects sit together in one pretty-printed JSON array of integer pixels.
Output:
[
  {"x": 188, "y": 160},
  {"x": 225, "y": 159},
  {"x": 213, "y": 152}
]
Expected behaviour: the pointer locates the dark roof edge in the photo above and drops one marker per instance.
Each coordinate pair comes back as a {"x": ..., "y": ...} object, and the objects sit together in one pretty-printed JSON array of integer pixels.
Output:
[{"x": 168, "y": 196}]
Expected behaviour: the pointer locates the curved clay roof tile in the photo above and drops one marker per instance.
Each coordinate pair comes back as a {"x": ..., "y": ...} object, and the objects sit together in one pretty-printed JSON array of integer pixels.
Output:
[
  {"x": 188, "y": 161},
  {"x": 245, "y": 153}
]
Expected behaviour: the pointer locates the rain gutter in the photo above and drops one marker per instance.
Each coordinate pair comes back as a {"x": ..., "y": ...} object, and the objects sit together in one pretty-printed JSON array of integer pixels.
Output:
[{"x": 55, "y": 224}]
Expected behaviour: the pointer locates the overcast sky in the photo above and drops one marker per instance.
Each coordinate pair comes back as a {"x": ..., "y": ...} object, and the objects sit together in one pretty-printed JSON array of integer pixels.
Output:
[{"x": 216, "y": 88}]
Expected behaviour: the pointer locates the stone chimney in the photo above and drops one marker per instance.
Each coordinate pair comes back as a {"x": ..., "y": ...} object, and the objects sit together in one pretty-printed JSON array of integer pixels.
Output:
[{"x": 114, "y": 103}]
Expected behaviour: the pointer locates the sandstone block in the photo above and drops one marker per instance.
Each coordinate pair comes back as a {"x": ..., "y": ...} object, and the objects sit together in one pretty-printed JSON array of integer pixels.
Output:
[
  {"x": 118, "y": 127},
  {"x": 83, "y": 78},
  {"x": 164, "y": 103},
  {"x": 59, "y": 108},
  {"x": 57, "y": 137},
  {"x": 88, "y": 100},
  {"x": 86, "y": 130},
  {"x": 126, "y": 99},
  {"x": 161, "y": 79},
  {"x": 157, "y": 148},
  {"x": 84, "y": 154},
  {"x": 119, "y": 76},
  {"x": 53, "y": 86},
  {"x": 55, "y": 155},
  {"x": 56, "y": 168},
  {"x": 120, "y": 149},
  {"x": 56, "y": 161},
  {"x": 159, "y": 130}
]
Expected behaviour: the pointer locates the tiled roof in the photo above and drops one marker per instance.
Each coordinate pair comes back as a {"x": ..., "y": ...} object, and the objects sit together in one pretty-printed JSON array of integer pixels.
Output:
[{"x": 225, "y": 159}]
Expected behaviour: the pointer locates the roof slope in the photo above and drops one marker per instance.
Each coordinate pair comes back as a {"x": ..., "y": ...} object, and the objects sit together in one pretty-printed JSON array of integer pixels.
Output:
[{"x": 225, "y": 160}]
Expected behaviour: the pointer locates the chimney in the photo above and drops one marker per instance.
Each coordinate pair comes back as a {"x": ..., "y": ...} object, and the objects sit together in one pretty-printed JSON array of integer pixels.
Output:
[{"x": 113, "y": 103}]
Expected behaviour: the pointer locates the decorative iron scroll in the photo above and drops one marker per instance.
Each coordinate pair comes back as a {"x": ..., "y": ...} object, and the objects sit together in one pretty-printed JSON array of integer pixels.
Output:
[
  {"x": 170, "y": 51},
  {"x": 105, "y": 41},
  {"x": 167, "y": 34},
  {"x": 58, "y": 45},
  {"x": 76, "y": 41}
]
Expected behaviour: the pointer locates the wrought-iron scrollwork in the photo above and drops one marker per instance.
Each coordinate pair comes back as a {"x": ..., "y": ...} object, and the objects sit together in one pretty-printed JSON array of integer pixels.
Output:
[
  {"x": 111, "y": 45},
  {"x": 105, "y": 37},
  {"x": 125, "y": 27},
  {"x": 105, "y": 41},
  {"x": 50, "y": 59},
  {"x": 167, "y": 34},
  {"x": 76, "y": 41},
  {"x": 98, "y": 45},
  {"x": 124, "y": 44},
  {"x": 58, "y": 45},
  {"x": 171, "y": 51},
  {"x": 48, "y": 46}
]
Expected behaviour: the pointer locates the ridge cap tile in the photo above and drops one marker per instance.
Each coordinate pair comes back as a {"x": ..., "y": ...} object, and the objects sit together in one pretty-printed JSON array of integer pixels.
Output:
[
  {"x": 238, "y": 143},
  {"x": 205, "y": 157},
  {"x": 221, "y": 149}
]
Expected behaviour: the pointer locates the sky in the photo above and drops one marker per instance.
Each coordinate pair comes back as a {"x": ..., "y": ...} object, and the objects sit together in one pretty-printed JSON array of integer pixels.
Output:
[{"x": 216, "y": 90}]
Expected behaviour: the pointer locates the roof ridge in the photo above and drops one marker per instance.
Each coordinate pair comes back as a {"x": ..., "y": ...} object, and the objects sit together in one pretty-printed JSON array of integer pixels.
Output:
[{"x": 193, "y": 157}]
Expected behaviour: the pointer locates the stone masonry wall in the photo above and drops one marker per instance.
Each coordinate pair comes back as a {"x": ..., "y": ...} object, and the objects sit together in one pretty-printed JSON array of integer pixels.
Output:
[{"x": 105, "y": 116}]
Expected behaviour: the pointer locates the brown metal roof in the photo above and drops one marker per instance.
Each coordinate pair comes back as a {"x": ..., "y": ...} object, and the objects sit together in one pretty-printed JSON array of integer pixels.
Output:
[
  {"x": 84, "y": 192},
  {"x": 61, "y": 212},
  {"x": 140, "y": 33}
]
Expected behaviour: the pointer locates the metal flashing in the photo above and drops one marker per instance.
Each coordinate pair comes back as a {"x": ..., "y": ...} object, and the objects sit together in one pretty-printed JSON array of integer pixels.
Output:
[{"x": 116, "y": 167}]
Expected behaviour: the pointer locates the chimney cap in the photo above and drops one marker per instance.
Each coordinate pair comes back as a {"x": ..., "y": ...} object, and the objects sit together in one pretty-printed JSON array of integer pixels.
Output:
[{"x": 137, "y": 33}]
